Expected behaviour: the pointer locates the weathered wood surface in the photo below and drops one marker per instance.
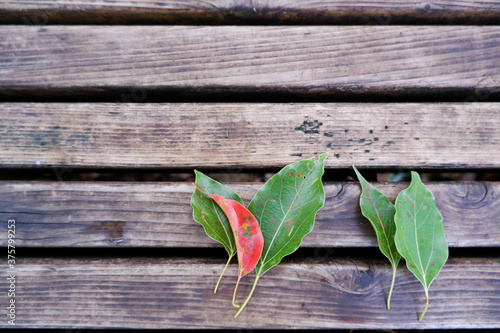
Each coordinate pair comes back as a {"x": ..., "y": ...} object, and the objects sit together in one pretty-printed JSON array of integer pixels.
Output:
[
  {"x": 80, "y": 214},
  {"x": 174, "y": 293},
  {"x": 317, "y": 59},
  {"x": 244, "y": 11},
  {"x": 458, "y": 135}
]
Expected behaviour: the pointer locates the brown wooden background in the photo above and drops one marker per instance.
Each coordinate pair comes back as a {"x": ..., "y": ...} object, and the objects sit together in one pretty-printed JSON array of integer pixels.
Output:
[{"x": 107, "y": 107}]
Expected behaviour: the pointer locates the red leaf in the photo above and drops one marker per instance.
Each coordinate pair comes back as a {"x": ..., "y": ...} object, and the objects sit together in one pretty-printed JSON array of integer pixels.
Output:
[{"x": 247, "y": 234}]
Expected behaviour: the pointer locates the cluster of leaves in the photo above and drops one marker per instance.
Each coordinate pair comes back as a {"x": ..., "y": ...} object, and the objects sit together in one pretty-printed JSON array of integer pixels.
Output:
[
  {"x": 281, "y": 213},
  {"x": 412, "y": 229}
]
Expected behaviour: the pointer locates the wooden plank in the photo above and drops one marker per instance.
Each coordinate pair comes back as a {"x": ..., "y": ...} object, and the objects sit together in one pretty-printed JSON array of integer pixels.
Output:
[
  {"x": 81, "y": 214},
  {"x": 256, "y": 11},
  {"x": 178, "y": 293},
  {"x": 304, "y": 59},
  {"x": 457, "y": 135}
]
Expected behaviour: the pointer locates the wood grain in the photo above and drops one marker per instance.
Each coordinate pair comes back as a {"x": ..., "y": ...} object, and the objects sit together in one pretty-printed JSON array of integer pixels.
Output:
[
  {"x": 458, "y": 135},
  {"x": 80, "y": 214},
  {"x": 172, "y": 293},
  {"x": 304, "y": 59},
  {"x": 250, "y": 12}
]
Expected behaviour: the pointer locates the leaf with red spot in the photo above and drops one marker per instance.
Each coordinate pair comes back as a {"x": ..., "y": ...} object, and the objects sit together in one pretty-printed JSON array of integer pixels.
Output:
[
  {"x": 420, "y": 234},
  {"x": 211, "y": 216},
  {"x": 380, "y": 212},
  {"x": 285, "y": 208},
  {"x": 246, "y": 231}
]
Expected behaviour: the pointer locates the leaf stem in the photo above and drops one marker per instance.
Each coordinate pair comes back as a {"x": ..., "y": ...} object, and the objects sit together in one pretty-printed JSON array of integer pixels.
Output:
[
  {"x": 394, "y": 269},
  {"x": 234, "y": 293},
  {"x": 223, "y": 271},
  {"x": 426, "y": 304},
  {"x": 249, "y": 295}
]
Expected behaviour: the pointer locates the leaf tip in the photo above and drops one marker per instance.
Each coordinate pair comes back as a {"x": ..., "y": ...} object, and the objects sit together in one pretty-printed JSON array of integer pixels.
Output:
[
  {"x": 415, "y": 176},
  {"x": 320, "y": 158},
  {"x": 358, "y": 174}
]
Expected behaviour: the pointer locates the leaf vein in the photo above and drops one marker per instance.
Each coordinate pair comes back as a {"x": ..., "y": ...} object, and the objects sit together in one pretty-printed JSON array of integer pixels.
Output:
[
  {"x": 290, "y": 239},
  {"x": 223, "y": 227},
  {"x": 283, "y": 220},
  {"x": 382, "y": 225},
  {"x": 422, "y": 271}
]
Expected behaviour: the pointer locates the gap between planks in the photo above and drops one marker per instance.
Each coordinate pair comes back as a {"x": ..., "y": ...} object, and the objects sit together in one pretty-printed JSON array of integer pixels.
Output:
[{"x": 374, "y": 12}]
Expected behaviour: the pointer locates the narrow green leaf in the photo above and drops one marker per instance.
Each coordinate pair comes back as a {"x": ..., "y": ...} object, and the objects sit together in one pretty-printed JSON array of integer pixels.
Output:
[
  {"x": 420, "y": 234},
  {"x": 285, "y": 208},
  {"x": 380, "y": 212},
  {"x": 211, "y": 216}
]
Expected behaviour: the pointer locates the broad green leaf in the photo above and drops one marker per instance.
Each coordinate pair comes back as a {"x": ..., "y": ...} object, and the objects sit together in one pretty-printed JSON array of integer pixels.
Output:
[
  {"x": 285, "y": 208},
  {"x": 380, "y": 212},
  {"x": 420, "y": 234},
  {"x": 211, "y": 216},
  {"x": 246, "y": 232}
]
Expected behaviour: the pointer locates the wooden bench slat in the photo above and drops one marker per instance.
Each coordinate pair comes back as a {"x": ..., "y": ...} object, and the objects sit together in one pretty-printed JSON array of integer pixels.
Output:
[
  {"x": 177, "y": 293},
  {"x": 191, "y": 5},
  {"x": 417, "y": 135},
  {"x": 80, "y": 214},
  {"x": 256, "y": 11},
  {"x": 307, "y": 59}
]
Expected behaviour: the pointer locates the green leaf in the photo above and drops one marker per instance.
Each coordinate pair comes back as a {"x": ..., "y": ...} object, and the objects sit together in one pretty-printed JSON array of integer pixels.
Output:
[
  {"x": 285, "y": 208},
  {"x": 247, "y": 235},
  {"x": 380, "y": 212},
  {"x": 420, "y": 234},
  {"x": 211, "y": 216}
]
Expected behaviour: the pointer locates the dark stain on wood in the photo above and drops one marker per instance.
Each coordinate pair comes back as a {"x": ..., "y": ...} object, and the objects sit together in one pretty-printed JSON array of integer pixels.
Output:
[
  {"x": 112, "y": 229},
  {"x": 309, "y": 127},
  {"x": 388, "y": 143}
]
